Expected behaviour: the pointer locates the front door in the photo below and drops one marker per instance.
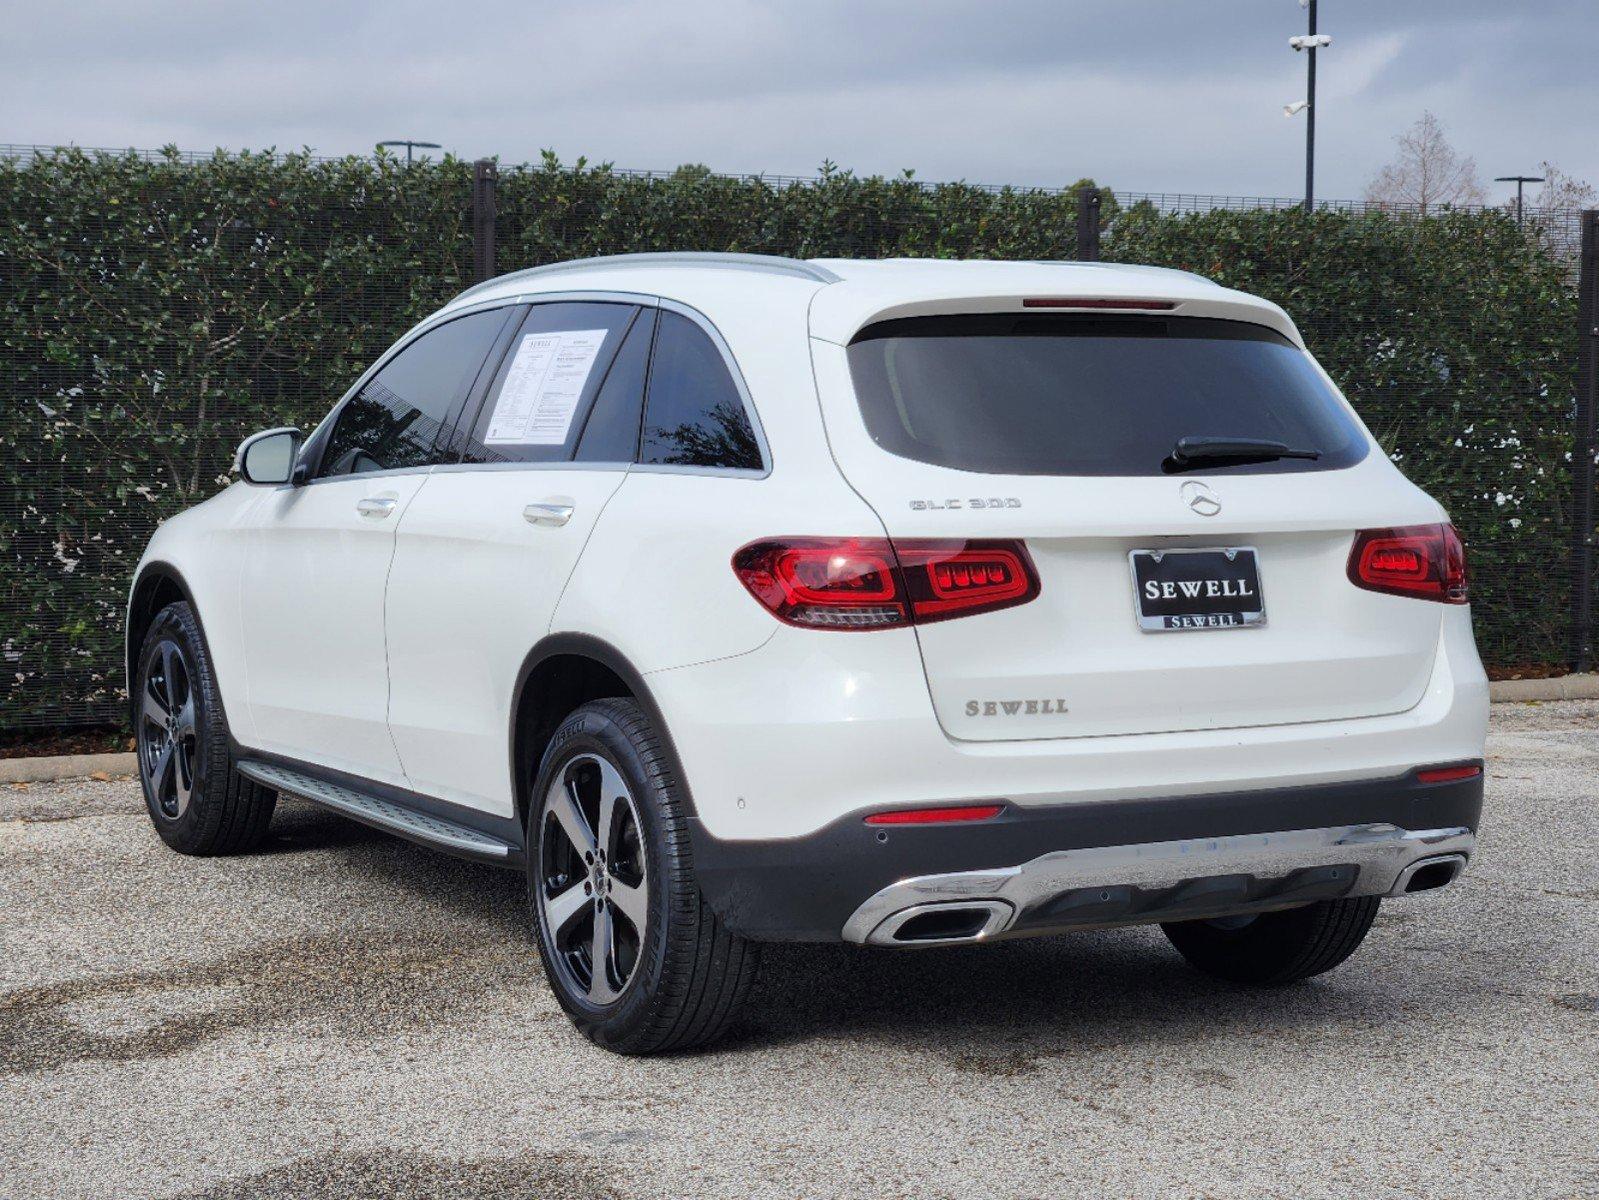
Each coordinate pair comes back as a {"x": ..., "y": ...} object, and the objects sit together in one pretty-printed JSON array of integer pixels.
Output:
[{"x": 312, "y": 605}]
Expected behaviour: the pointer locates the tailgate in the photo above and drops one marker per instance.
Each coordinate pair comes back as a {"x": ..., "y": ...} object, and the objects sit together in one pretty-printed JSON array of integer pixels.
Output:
[{"x": 1076, "y": 661}]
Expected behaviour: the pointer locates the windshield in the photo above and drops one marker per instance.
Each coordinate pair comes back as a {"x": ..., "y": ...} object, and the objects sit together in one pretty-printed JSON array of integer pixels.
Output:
[{"x": 1092, "y": 395}]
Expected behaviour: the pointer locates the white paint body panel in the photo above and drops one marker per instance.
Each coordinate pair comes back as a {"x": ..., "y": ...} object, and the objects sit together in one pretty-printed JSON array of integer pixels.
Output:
[
  {"x": 206, "y": 544},
  {"x": 890, "y": 288},
  {"x": 814, "y": 726},
  {"x": 657, "y": 581},
  {"x": 311, "y": 614},
  {"x": 472, "y": 589}
]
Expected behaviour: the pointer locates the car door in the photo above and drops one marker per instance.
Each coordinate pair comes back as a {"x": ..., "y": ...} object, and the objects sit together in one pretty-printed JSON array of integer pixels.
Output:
[
  {"x": 485, "y": 549},
  {"x": 311, "y": 601}
]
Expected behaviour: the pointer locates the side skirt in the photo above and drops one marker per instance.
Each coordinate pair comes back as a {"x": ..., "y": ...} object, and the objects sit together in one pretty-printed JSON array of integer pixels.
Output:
[{"x": 463, "y": 832}]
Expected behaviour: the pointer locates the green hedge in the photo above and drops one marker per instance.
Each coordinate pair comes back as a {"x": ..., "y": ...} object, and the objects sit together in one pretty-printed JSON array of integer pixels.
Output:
[
  {"x": 1455, "y": 337},
  {"x": 155, "y": 310}
]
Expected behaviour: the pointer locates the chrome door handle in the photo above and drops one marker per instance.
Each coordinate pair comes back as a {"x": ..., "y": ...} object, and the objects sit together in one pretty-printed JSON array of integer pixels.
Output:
[
  {"x": 376, "y": 506},
  {"x": 548, "y": 512}
]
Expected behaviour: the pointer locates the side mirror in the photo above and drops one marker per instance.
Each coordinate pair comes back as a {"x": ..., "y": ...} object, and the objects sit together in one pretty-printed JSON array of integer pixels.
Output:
[{"x": 268, "y": 457}]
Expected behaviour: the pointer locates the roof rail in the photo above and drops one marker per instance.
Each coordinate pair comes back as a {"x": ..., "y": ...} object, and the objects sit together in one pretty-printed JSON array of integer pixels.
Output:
[{"x": 768, "y": 263}]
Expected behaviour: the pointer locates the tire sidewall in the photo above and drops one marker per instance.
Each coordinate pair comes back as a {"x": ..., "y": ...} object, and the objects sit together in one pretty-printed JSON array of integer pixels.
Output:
[
  {"x": 591, "y": 731},
  {"x": 177, "y": 623},
  {"x": 1277, "y": 948}
]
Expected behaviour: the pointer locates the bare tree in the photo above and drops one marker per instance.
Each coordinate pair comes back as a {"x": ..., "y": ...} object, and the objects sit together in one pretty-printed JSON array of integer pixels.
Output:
[
  {"x": 1564, "y": 191},
  {"x": 1427, "y": 172}
]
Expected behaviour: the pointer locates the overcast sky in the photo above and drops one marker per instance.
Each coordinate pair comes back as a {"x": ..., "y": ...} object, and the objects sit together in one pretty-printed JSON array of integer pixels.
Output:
[{"x": 1144, "y": 95}]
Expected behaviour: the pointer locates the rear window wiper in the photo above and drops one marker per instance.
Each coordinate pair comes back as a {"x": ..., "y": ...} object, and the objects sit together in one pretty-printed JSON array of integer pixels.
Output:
[{"x": 1191, "y": 450}]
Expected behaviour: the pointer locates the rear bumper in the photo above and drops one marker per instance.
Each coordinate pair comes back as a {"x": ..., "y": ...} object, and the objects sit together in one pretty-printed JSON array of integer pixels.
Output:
[
  {"x": 814, "y": 728},
  {"x": 1159, "y": 881},
  {"x": 1092, "y": 864}
]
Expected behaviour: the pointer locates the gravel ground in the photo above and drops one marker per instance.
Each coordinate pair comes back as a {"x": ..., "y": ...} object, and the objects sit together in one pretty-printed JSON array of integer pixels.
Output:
[{"x": 346, "y": 1015}]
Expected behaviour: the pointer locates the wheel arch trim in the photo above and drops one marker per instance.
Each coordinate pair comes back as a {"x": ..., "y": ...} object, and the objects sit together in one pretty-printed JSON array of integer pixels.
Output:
[
  {"x": 150, "y": 575},
  {"x": 583, "y": 645}
]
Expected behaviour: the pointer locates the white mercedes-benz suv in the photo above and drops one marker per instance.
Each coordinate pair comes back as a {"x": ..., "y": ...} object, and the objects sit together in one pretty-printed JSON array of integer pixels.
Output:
[{"x": 905, "y": 603}]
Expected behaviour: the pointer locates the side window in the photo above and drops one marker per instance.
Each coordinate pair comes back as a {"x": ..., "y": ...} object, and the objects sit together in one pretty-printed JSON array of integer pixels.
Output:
[
  {"x": 395, "y": 420},
  {"x": 611, "y": 434},
  {"x": 694, "y": 415},
  {"x": 549, "y": 377}
]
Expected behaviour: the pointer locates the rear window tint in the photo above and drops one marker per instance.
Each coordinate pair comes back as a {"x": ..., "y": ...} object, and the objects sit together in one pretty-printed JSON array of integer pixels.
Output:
[{"x": 1091, "y": 395}]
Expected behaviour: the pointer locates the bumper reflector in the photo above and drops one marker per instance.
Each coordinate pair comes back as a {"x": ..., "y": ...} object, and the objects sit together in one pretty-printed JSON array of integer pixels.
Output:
[
  {"x": 936, "y": 816},
  {"x": 1447, "y": 774}
]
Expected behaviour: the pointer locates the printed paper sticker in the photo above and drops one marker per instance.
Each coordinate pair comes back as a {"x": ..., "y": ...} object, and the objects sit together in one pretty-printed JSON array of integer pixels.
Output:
[{"x": 543, "y": 386}]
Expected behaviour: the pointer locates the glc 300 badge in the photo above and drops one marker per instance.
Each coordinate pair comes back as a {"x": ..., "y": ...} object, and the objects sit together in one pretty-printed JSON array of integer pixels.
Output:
[
  {"x": 973, "y": 502},
  {"x": 1011, "y": 708}
]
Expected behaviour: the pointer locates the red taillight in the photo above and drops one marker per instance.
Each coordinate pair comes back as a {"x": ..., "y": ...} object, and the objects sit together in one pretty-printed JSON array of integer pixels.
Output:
[
  {"x": 825, "y": 583},
  {"x": 1424, "y": 561},
  {"x": 1447, "y": 774},
  {"x": 872, "y": 583},
  {"x": 955, "y": 579},
  {"x": 936, "y": 816}
]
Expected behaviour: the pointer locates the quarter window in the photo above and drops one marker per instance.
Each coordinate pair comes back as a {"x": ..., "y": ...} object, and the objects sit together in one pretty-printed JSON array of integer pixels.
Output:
[
  {"x": 395, "y": 420},
  {"x": 694, "y": 415}
]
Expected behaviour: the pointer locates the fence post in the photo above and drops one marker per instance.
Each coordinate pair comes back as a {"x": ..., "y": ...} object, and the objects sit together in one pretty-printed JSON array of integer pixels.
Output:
[
  {"x": 1088, "y": 225},
  {"x": 1582, "y": 466},
  {"x": 483, "y": 177}
]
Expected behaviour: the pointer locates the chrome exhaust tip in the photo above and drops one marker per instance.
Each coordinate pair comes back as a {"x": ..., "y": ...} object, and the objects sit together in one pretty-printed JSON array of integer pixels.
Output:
[
  {"x": 946, "y": 924},
  {"x": 1429, "y": 874}
]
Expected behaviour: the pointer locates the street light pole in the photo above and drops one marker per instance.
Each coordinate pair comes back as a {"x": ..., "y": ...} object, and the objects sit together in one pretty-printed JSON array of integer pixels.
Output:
[
  {"x": 1310, "y": 115},
  {"x": 409, "y": 146},
  {"x": 1518, "y": 180},
  {"x": 1310, "y": 43}
]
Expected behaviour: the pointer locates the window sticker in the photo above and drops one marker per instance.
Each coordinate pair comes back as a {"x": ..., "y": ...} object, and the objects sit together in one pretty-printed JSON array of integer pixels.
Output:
[{"x": 543, "y": 386}]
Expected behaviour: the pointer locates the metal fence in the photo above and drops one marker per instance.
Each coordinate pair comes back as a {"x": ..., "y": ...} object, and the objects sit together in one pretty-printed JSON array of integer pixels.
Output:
[{"x": 155, "y": 307}]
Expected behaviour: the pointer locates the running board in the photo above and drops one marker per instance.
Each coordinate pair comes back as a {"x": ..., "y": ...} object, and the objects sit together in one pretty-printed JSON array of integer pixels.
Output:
[{"x": 381, "y": 814}]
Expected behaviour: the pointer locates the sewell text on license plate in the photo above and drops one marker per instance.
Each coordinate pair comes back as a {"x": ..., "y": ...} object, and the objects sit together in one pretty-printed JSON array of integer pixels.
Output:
[{"x": 1197, "y": 589}]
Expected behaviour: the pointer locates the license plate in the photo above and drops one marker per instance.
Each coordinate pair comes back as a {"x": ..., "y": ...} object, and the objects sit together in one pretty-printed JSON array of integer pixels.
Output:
[{"x": 1197, "y": 589}]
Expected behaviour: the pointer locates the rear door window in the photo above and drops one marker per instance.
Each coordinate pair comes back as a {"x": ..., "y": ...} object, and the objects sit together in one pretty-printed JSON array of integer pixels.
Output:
[
  {"x": 397, "y": 419},
  {"x": 541, "y": 394},
  {"x": 612, "y": 430},
  {"x": 694, "y": 414},
  {"x": 1091, "y": 395}
]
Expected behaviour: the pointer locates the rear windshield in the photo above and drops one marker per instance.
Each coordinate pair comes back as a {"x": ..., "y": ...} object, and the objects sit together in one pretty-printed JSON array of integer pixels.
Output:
[{"x": 1092, "y": 395}]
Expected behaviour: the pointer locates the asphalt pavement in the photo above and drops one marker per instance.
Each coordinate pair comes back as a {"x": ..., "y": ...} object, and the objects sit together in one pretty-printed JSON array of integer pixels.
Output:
[{"x": 347, "y": 1015}]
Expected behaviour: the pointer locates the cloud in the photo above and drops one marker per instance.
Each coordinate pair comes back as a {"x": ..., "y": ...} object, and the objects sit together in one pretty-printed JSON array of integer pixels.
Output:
[{"x": 1144, "y": 94}]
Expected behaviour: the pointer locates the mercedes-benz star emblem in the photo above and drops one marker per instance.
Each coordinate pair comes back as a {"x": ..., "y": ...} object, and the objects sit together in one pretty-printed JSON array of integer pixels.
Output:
[{"x": 1200, "y": 498}]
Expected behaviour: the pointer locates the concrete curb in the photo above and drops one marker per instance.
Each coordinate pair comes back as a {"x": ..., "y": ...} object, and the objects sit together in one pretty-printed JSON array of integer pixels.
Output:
[
  {"x": 1562, "y": 687},
  {"x": 74, "y": 766},
  {"x": 66, "y": 766}
]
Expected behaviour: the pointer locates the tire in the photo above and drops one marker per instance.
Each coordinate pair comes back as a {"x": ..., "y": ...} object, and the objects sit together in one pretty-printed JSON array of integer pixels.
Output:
[
  {"x": 1275, "y": 948},
  {"x": 618, "y": 861},
  {"x": 198, "y": 803}
]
